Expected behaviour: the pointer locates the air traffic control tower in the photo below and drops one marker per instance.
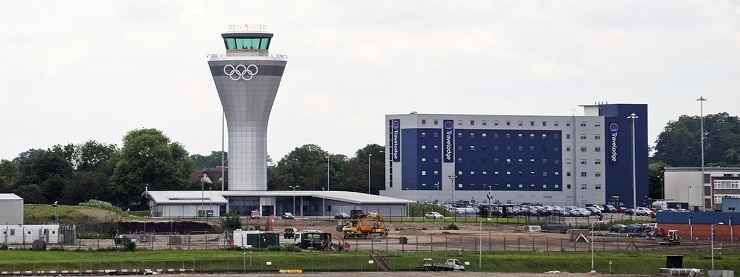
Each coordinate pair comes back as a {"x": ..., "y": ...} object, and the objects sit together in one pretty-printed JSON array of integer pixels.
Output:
[{"x": 247, "y": 78}]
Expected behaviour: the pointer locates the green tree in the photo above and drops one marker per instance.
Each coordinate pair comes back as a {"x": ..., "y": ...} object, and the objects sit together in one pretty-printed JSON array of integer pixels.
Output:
[
  {"x": 655, "y": 180},
  {"x": 231, "y": 222},
  {"x": 680, "y": 142},
  {"x": 49, "y": 170},
  {"x": 8, "y": 175},
  {"x": 209, "y": 162},
  {"x": 305, "y": 166},
  {"x": 148, "y": 158},
  {"x": 92, "y": 155}
]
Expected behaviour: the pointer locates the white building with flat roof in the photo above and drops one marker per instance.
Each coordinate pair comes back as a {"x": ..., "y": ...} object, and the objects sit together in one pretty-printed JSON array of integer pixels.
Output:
[{"x": 11, "y": 206}]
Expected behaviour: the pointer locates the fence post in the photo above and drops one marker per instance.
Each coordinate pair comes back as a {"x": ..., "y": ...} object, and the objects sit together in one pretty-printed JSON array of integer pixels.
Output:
[
  {"x": 547, "y": 244},
  {"x": 533, "y": 249},
  {"x": 504, "y": 244},
  {"x": 518, "y": 244}
]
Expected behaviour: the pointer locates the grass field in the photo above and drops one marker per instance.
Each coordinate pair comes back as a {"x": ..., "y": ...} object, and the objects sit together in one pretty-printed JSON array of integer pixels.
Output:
[{"x": 238, "y": 261}]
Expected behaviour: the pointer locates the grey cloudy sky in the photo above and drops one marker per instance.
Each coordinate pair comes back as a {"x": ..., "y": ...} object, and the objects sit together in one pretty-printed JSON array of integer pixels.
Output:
[{"x": 72, "y": 71}]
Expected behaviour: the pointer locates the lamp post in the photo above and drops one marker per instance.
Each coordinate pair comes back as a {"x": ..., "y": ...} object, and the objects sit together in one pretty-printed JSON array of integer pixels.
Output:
[
  {"x": 712, "y": 234},
  {"x": 452, "y": 195},
  {"x": 490, "y": 197},
  {"x": 701, "y": 115},
  {"x": 592, "y": 248},
  {"x": 327, "y": 172},
  {"x": 323, "y": 203},
  {"x": 368, "y": 172},
  {"x": 294, "y": 187},
  {"x": 56, "y": 215},
  {"x": 633, "y": 116}
]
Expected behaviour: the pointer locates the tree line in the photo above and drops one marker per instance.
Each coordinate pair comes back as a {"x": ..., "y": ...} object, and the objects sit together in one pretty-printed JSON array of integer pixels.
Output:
[{"x": 75, "y": 173}]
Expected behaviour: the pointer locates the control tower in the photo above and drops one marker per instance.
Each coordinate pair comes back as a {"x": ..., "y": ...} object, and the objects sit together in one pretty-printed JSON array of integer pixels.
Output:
[{"x": 247, "y": 78}]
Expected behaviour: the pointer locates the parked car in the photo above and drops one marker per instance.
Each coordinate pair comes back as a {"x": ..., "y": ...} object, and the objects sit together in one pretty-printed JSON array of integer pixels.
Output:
[
  {"x": 287, "y": 215},
  {"x": 433, "y": 215},
  {"x": 341, "y": 216},
  {"x": 356, "y": 214},
  {"x": 255, "y": 214},
  {"x": 289, "y": 233},
  {"x": 618, "y": 228}
]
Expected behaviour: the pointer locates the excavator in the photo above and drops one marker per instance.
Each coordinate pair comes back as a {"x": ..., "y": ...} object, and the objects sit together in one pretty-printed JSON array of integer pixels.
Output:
[
  {"x": 371, "y": 225},
  {"x": 669, "y": 238}
]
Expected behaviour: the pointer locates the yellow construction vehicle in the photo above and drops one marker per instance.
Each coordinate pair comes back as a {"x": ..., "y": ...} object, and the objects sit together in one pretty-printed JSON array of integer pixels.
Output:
[{"x": 370, "y": 225}]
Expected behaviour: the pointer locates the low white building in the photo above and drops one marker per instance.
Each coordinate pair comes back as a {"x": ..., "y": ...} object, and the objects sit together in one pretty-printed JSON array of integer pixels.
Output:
[
  {"x": 26, "y": 234},
  {"x": 11, "y": 206},
  {"x": 686, "y": 184}
]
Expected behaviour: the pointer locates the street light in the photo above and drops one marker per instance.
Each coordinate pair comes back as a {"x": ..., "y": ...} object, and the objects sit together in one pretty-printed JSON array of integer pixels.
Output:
[
  {"x": 701, "y": 115},
  {"x": 294, "y": 187},
  {"x": 592, "y": 248},
  {"x": 489, "y": 202},
  {"x": 452, "y": 198},
  {"x": 633, "y": 116},
  {"x": 56, "y": 215},
  {"x": 327, "y": 172},
  {"x": 368, "y": 172},
  {"x": 712, "y": 234},
  {"x": 323, "y": 203}
]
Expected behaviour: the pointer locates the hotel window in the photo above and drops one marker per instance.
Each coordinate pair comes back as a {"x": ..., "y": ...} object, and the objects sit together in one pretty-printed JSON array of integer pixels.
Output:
[
  {"x": 597, "y": 174},
  {"x": 423, "y": 134},
  {"x": 459, "y": 135},
  {"x": 531, "y": 185},
  {"x": 584, "y": 186},
  {"x": 495, "y": 123},
  {"x": 484, "y": 147},
  {"x": 459, "y": 173},
  {"x": 557, "y": 173},
  {"x": 557, "y": 186},
  {"x": 567, "y": 148},
  {"x": 597, "y": 136},
  {"x": 495, "y": 173},
  {"x": 567, "y": 161},
  {"x": 436, "y": 135},
  {"x": 459, "y": 122},
  {"x": 583, "y": 148},
  {"x": 531, "y": 136},
  {"x": 521, "y": 186},
  {"x": 472, "y": 148},
  {"x": 423, "y": 121},
  {"x": 531, "y": 173},
  {"x": 584, "y": 174},
  {"x": 544, "y": 161},
  {"x": 544, "y": 123},
  {"x": 472, "y": 122},
  {"x": 556, "y": 123},
  {"x": 495, "y": 148},
  {"x": 531, "y": 123},
  {"x": 472, "y": 135},
  {"x": 521, "y": 161},
  {"x": 495, "y": 160},
  {"x": 583, "y": 123},
  {"x": 567, "y": 136},
  {"x": 459, "y": 148},
  {"x": 583, "y": 136},
  {"x": 508, "y": 123},
  {"x": 459, "y": 160},
  {"x": 484, "y": 122},
  {"x": 423, "y": 160},
  {"x": 436, "y": 122},
  {"x": 508, "y": 161},
  {"x": 508, "y": 172},
  {"x": 597, "y": 186},
  {"x": 483, "y": 135},
  {"x": 555, "y": 136},
  {"x": 597, "y": 124},
  {"x": 472, "y": 172},
  {"x": 436, "y": 147},
  {"x": 508, "y": 148},
  {"x": 436, "y": 160},
  {"x": 423, "y": 173},
  {"x": 520, "y": 148},
  {"x": 508, "y": 185},
  {"x": 597, "y": 161},
  {"x": 508, "y": 135},
  {"x": 567, "y": 186},
  {"x": 556, "y": 148},
  {"x": 597, "y": 149},
  {"x": 495, "y": 135},
  {"x": 520, "y": 123},
  {"x": 567, "y": 173},
  {"x": 520, "y": 135},
  {"x": 484, "y": 172},
  {"x": 583, "y": 161},
  {"x": 436, "y": 173},
  {"x": 531, "y": 148},
  {"x": 544, "y": 174},
  {"x": 556, "y": 161},
  {"x": 567, "y": 123},
  {"x": 423, "y": 147},
  {"x": 531, "y": 160},
  {"x": 544, "y": 136}
]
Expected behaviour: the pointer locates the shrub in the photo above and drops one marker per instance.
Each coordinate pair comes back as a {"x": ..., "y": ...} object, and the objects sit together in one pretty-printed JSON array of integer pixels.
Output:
[{"x": 452, "y": 226}]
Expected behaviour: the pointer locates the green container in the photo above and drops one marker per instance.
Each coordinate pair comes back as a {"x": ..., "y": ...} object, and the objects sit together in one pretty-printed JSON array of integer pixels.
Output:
[{"x": 263, "y": 240}]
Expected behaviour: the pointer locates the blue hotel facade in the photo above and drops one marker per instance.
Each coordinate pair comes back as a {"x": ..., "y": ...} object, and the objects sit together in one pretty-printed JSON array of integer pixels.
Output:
[{"x": 552, "y": 160}]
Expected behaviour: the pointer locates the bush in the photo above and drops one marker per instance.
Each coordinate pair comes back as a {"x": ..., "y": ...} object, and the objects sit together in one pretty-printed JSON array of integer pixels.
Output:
[
  {"x": 127, "y": 244},
  {"x": 231, "y": 222},
  {"x": 452, "y": 226}
]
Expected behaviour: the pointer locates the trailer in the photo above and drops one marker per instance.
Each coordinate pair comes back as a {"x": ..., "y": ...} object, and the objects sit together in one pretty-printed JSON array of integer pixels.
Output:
[{"x": 443, "y": 265}]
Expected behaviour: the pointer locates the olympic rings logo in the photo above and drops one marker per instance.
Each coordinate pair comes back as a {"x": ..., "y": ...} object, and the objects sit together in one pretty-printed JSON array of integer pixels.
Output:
[{"x": 240, "y": 71}]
